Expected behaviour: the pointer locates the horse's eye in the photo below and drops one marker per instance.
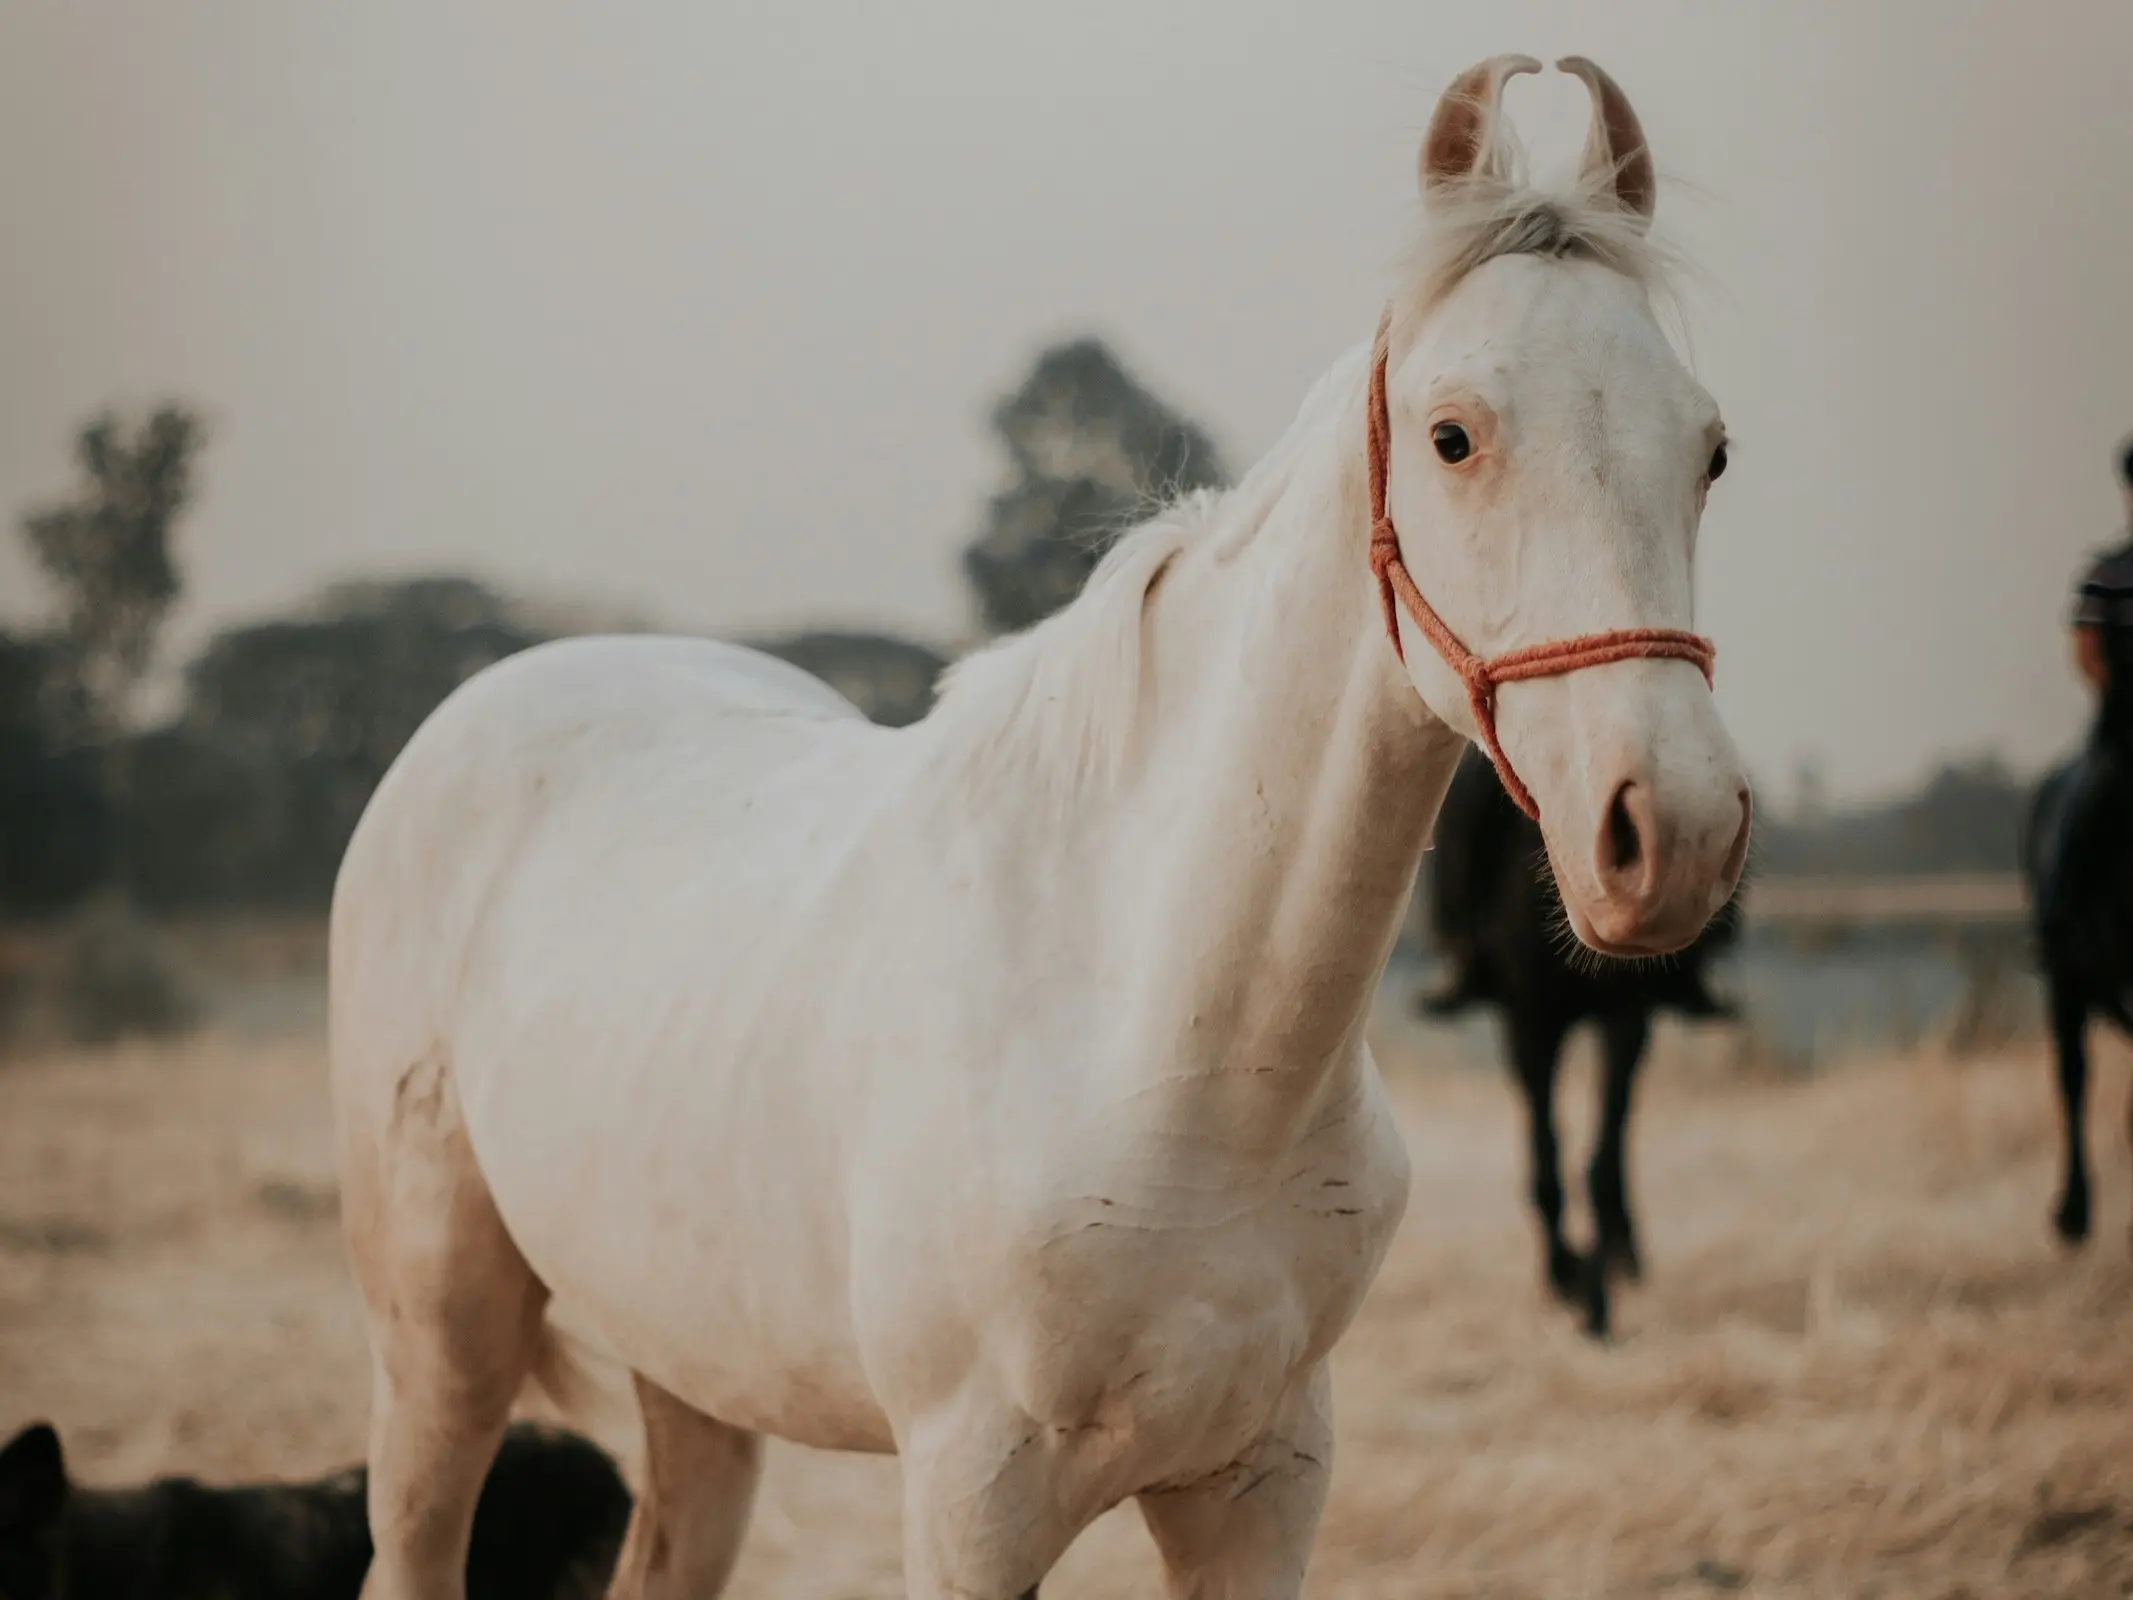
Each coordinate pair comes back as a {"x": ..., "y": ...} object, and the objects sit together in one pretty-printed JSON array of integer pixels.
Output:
[
  {"x": 1453, "y": 446},
  {"x": 1717, "y": 468}
]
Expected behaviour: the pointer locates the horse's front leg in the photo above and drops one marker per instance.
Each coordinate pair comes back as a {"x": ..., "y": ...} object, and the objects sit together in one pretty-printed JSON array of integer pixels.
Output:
[
  {"x": 1245, "y": 1532},
  {"x": 1623, "y": 1036},
  {"x": 988, "y": 1505},
  {"x": 1536, "y": 1041},
  {"x": 2069, "y": 1034}
]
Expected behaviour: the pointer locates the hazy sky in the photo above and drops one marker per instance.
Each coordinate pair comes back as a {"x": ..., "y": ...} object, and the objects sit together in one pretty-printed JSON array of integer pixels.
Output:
[{"x": 697, "y": 309}]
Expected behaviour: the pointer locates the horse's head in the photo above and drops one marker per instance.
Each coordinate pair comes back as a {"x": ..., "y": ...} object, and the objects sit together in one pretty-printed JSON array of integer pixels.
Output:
[
  {"x": 33, "y": 1496},
  {"x": 1549, "y": 456}
]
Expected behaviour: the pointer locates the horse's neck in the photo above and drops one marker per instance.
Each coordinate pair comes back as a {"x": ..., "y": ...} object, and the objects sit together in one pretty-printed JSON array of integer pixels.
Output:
[{"x": 1288, "y": 779}]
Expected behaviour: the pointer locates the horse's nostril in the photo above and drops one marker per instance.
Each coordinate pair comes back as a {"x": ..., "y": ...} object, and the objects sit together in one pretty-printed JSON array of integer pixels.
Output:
[{"x": 1625, "y": 842}]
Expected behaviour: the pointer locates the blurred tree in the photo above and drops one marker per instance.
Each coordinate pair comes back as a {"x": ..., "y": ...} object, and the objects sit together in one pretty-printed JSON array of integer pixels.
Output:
[
  {"x": 251, "y": 796},
  {"x": 108, "y": 553},
  {"x": 1090, "y": 452},
  {"x": 55, "y": 827},
  {"x": 1810, "y": 793},
  {"x": 1967, "y": 817},
  {"x": 66, "y": 701},
  {"x": 891, "y": 680}
]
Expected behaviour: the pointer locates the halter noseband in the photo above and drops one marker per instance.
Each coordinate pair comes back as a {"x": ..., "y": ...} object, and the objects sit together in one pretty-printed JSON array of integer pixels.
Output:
[{"x": 1483, "y": 674}]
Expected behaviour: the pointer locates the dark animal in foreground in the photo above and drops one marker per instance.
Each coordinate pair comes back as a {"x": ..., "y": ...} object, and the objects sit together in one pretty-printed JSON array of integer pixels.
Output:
[
  {"x": 548, "y": 1527},
  {"x": 2078, "y": 859},
  {"x": 1494, "y": 910}
]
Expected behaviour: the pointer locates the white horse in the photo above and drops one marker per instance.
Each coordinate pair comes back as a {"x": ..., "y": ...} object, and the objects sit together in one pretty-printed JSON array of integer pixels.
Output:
[{"x": 994, "y": 1091}]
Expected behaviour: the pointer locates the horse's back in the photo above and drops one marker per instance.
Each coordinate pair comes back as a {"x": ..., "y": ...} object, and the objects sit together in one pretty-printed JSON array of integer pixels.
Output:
[
  {"x": 604, "y": 694},
  {"x": 559, "y": 736},
  {"x": 579, "y": 793}
]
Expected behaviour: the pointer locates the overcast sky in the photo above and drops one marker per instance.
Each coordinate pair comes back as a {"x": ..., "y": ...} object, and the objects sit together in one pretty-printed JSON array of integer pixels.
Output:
[{"x": 696, "y": 309}]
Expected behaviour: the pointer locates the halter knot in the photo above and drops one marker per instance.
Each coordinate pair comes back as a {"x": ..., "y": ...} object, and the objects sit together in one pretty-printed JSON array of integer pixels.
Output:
[{"x": 1482, "y": 675}]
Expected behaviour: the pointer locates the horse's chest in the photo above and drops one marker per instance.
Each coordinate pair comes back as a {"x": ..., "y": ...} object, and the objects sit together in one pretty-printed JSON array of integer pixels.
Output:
[{"x": 1174, "y": 1327}]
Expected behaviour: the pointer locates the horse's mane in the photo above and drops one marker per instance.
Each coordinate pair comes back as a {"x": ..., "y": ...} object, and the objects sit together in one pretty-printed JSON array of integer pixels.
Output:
[{"x": 1060, "y": 702}]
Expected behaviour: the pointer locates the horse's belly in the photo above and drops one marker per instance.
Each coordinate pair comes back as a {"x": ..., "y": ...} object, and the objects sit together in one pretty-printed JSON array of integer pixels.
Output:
[
  {"x": 681, "y": 1187},
  {"x": 784, "y": 1364},
  {"x": 724, "y": 1287}
]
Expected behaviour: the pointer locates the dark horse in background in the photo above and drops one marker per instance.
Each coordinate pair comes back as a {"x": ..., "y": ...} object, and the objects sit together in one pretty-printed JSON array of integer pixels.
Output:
[
  {"x": 549, "y": 1526},
  {"x": 2078, "y": 857},
  {"x": 1496, "y": 917}
]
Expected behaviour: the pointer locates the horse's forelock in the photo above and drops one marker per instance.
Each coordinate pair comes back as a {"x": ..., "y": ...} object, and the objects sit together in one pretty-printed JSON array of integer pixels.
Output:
[{"x": 1484, "y": 221}]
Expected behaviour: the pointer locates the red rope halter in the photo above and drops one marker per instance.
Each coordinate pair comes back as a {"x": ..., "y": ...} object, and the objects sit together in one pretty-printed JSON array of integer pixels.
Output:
[{"x": 1483, "y": 674}]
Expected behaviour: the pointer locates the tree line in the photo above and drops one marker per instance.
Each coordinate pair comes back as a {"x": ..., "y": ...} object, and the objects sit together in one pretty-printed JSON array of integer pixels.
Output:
[{"x": 245, "y": 794}]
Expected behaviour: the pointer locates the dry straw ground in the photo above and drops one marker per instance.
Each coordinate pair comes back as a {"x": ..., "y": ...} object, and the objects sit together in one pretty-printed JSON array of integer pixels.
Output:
[{"x": 1861, "y": 1368}]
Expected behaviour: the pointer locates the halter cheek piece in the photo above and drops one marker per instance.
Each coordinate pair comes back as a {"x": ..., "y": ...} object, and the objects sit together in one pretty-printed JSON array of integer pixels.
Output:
[{"x": 1483, "y": 674}]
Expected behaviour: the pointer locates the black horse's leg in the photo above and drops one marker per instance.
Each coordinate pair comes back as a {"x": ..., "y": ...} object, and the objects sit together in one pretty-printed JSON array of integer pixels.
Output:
[
  {"x": 2069, "y": 1030},
  {"x": 2129, "y": 1149},
  {"x": 1536, "y": 1040},
  {"x": 1623, "y": 1036}
]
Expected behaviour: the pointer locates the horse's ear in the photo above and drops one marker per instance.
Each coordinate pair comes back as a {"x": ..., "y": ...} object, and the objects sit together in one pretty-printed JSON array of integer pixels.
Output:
[
  {"x": 33, "y": 1483},
  {"x": 1615, "y": 152},
  {"x": 1462, "y": 142}
]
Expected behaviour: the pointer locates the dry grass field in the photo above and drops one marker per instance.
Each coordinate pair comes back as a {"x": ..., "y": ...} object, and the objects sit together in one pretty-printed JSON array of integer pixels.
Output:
[{"x": 1861, "y": 1367}]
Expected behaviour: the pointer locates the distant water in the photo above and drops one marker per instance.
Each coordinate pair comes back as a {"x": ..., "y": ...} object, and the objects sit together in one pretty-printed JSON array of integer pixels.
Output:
[
  {"x": 1812, "y": 1005},
  {"x": 1882, "y": 993},
  {"x": 1805, "y": 1005}
]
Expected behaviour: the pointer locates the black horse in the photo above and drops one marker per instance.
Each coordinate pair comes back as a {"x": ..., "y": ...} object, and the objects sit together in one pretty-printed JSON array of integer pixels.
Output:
[
  {"x": 1496, "y": 915},
  {"x": 549, "y": 1526},
  {"x": 2078, "y": 858}
]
